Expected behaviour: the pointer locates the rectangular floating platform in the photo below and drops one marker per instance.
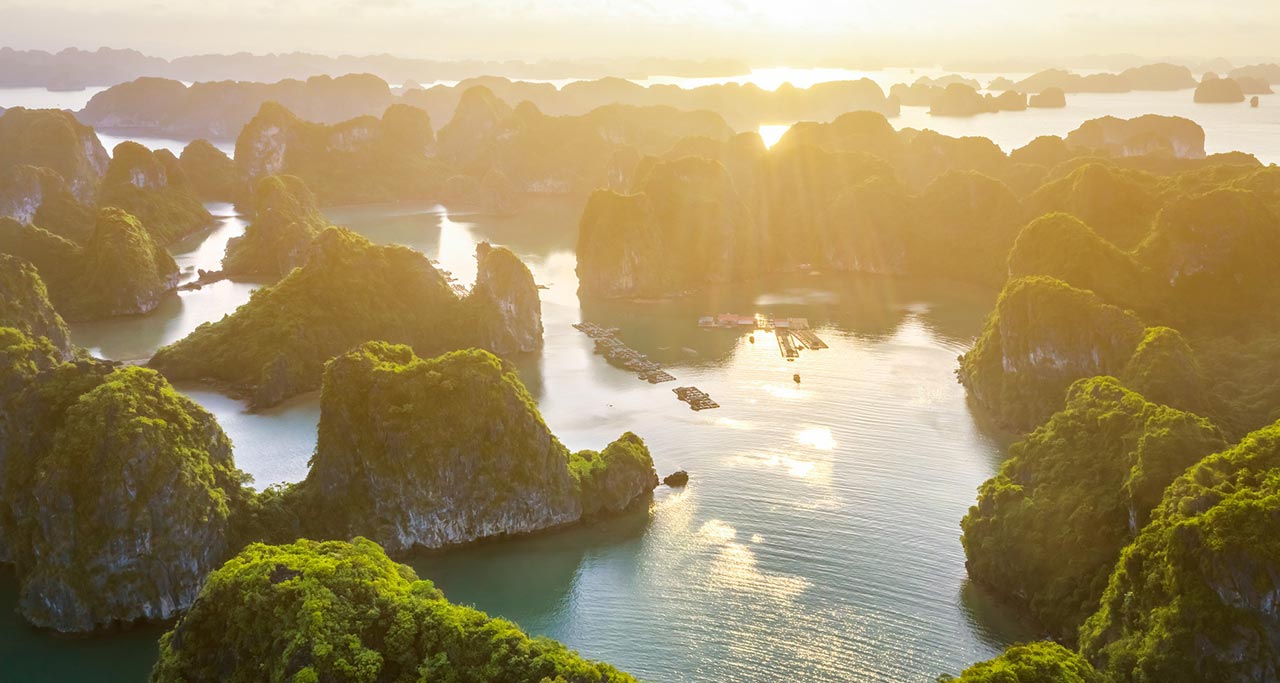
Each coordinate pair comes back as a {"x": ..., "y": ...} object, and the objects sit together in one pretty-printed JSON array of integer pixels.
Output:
[
  {"x": 787, "y": 345},
  {"x": 619, "y": 354},
  {"x": 809, "y": 339},
  {"x": 695, "y": 397}
]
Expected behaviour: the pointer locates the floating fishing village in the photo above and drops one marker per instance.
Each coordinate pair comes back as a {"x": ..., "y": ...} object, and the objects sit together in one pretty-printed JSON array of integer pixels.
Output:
[{"x": 792, "y": 335}]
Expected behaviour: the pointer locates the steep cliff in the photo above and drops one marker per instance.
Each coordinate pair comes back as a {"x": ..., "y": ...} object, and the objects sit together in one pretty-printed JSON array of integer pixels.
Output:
[
  {"x": 1165, "y": 370},
  {"x": 1219, "y": 91},
  {"x": 964, "y": 224},
  {"x": 612, "y": 480},
  {"x": 1217, "y": 253},
  {"x": 344, "y": 611},
  {"x": 1194, "y": 598},
  {"x": 121, "y": 271},
  {"x": 212, "y": 174},
  {"x": 122, "y": 506},
  {"x": 1083, "y": 482},
  {"x": 38, "y": 196},
  {"x": 1043, "y": 335},
  {"x": 542, "y": 154},
  {"x": 364, "y": 159},
  {"x": 285, "y": 221},
  {"x": 153, "y": 187},
  {"x": 22, "y": 358},
  {"x": 1149, "y": 134},
  {"x": 55, "y": 140},
  {"x": 510, "y": 311},
  {"x": 24, "y": 305},
  {"x": 1120, "y": 204},
  {"x": 1061, "y": 246},
  {"x": 686, "y": 227},
  {"x": 430, "y": 453},
  {"x": 349, "y": 291}
]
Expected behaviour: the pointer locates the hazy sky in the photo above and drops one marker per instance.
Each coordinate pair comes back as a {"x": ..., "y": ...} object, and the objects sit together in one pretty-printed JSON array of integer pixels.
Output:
[{"x": 760, "y": 32}]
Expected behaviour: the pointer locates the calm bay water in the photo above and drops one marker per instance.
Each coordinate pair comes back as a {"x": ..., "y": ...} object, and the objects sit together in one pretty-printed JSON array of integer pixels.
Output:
[
  {"x": 818, "y": 537},
  {"x": 817, "y": 540}
]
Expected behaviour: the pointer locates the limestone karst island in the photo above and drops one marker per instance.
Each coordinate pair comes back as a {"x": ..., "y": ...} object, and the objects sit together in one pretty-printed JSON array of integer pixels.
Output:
[{"x": 676, "y": 341}]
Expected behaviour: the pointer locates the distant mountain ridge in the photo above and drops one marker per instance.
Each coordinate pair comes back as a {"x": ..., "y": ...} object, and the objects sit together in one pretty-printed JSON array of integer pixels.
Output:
[{"x": 74, "y": 69}]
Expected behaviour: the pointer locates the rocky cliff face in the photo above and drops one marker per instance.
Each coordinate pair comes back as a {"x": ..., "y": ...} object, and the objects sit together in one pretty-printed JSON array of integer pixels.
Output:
[
  {"x": 508, "y": 302},
  {"x": 1216, "y": 252},
  {"x": 1195, "y": 597},
  {"x": 686, "y": 227},
  {"x": 349, "y": 291},
  {"x": 614, "y": 479},
  {"x": 120, "y": 497},
  {"x": 122, "y": 271},
  {"x": 285, "y": 221},
  {"x": 211, "y": 172},
  {"x": 24, "y": 305},
  {"x": 1042, "y": 336},
  {"x": 31, "y": 195},
  {"x": 22, "y": 358},
  {"x": 1150, "y": 134},
  {"x": 430, "y": 453},
  {"x": 1072, "y": 484},
  {"x": 153, "y": 187},
  {"x": 364, "y": 159},
  {"x": 54, "y": 139}
]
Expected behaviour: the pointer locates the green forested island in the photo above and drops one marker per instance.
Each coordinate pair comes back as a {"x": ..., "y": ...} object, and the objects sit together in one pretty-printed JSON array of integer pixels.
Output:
[{"x": 1126, "y": 370}]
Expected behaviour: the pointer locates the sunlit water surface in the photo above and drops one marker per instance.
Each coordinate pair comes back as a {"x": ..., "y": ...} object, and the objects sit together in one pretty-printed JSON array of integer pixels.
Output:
[{"x": 817, "y": 539}]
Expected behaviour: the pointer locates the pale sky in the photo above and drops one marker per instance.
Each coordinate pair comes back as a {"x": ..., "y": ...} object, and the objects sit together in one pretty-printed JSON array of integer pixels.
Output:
[{"x": 759, "y": 32}]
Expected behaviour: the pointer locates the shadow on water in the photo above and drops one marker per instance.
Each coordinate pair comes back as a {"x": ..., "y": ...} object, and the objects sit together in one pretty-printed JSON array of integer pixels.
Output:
[
  {"x": 29, "y": 654},
  {"x": 996, "y": 623},
  {"x": 549, "y": 564}
]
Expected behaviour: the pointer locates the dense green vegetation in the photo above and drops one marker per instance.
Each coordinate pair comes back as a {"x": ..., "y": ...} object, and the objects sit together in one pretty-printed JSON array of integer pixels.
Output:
[
  {"x": 1192, "y": 599},
  {"x": 37, "y": 196},
  {"x": 348, "y": 292},
  {"x": 310, "y": 612},
  {"x": 1059, "y": 245},
  {"x": 687, "y": 226},
  {"x": 53, "y": 139},
  {"x": 1042, "y": 662},
  {"x": 1043, "y": 335},
  {"x": 164, "y": 480},
  {"x": 398, "y": 432},
  {"x": 153, "y": 187},
  {"x": 120, "y": 271},
  {"x": 211, "y": 173},
  {"x": 25, "y": 306},
  {"x": 1119, "y": 203},
  {"x": 285, "y": 221},
  {"x": 1084, "y": 481},
  {"x": 364, "y": 159}
]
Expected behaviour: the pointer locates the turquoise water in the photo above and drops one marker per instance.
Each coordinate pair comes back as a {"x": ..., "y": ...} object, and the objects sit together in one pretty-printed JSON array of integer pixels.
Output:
[{"x": 817, "y": 539}]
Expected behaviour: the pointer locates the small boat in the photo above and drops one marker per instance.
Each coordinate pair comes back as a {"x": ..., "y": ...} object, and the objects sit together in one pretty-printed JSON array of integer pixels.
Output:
[
  {"x": 796, "y": 377},
  {"x": 752, "y": 339}
]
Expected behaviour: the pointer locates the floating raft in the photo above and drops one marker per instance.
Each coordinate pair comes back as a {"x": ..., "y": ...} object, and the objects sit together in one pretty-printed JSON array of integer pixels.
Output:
[
  {"x": 695, "y": 397},
  {"x": 618, "y": 353},
  {"x": 792, "y": 334}
]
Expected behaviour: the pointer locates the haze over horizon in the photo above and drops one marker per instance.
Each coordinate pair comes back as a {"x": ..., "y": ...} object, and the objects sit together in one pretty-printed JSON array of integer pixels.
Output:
[{"x": 799, "y": 33}]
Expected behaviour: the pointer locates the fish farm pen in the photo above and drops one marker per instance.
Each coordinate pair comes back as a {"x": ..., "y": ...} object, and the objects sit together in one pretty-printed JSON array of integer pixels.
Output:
[
  {"x": 618, "y": 353},
  {"x": 695, "y": 397},
  {"x": 792, "y": 334}
]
